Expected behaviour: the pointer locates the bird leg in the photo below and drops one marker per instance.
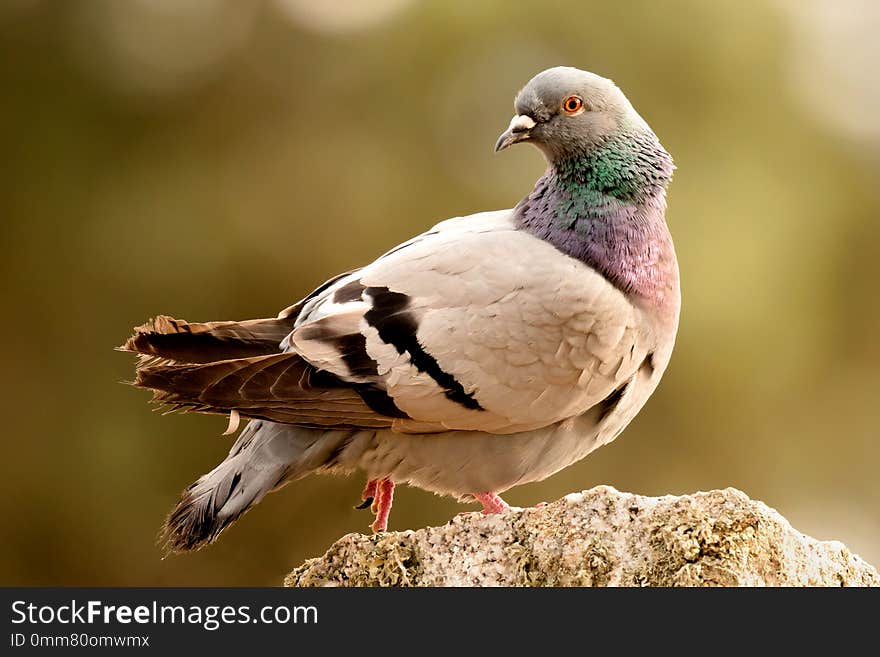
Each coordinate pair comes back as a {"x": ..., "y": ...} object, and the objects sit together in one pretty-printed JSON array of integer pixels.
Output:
[
  {"x": 368, "y": 495},
  {"x": 384, "y": 498},
  {"x": 491, "y": 502}
]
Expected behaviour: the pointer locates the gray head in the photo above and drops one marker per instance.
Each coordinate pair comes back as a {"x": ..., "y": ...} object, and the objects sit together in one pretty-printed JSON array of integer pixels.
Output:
[{"x": 567, "y": 112}]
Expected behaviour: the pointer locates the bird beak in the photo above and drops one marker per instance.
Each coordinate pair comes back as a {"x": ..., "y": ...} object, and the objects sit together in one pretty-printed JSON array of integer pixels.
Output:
[{"x": 517, "y": 131}]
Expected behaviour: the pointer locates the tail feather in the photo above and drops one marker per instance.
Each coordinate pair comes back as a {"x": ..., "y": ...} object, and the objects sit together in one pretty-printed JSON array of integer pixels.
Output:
[
  {"x": 259, "y": 378},
  {"x": 265, "y": 457},
  {"x": 193, "y": 342},
  {"x": 177, "y": 340},
  {"x": 277, "y": 387}
]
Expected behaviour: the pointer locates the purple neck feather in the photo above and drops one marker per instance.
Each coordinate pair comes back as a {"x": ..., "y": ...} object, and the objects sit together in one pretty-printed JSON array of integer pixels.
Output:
[{"x": 607, "y": 210}]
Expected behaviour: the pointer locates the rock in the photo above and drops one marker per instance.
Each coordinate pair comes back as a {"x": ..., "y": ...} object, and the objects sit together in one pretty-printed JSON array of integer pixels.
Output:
[{"x": 600, "y": 537}]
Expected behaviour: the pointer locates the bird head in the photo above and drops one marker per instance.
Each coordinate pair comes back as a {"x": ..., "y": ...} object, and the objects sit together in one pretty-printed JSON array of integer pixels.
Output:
[{"x": 567, "y": 112}]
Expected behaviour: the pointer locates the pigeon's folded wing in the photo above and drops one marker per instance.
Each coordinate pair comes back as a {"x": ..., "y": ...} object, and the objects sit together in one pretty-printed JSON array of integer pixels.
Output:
[{"x": 475, "y": 325}]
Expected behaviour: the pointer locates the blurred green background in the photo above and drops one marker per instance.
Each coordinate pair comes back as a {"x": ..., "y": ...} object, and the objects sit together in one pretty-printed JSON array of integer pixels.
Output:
[{"x": 217, "y": 159}]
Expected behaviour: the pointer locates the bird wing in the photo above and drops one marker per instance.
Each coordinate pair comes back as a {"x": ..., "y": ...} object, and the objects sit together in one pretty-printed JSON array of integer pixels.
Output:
[
  {"x": 475, "y": 325},
  {"x": 278, "y": 387}
]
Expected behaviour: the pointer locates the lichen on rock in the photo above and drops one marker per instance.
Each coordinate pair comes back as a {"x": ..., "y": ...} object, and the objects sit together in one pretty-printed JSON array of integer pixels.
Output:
[{"x": 599, "y": 537}]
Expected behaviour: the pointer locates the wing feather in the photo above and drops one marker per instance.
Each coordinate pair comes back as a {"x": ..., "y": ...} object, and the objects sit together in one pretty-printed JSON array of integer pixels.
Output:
[
  {"x": 472, "y": 325},
  {"x": 477, "y": 326}
]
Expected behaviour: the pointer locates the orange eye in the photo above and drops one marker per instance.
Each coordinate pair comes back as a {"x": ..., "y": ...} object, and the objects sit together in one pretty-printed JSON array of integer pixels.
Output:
[{"x": 572, "y": 105}]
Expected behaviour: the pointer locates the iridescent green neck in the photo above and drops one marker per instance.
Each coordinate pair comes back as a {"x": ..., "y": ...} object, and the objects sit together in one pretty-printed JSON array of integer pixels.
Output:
[
  {"x": 606, "y": 209},
  {"x": 629, "y": 168}
]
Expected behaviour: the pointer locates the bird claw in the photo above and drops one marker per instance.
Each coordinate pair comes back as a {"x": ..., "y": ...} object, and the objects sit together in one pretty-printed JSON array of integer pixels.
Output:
[
  {"x": 368, "y": 497},
  {"x": 491, "y": 502},
  {"x": 378, "y": 496}
]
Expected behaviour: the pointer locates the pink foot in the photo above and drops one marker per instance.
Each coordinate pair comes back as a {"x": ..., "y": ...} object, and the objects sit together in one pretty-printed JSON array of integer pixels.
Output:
[
  {"x": 369, "y": 495},
  {"x": 384, "y": 499},
  {"x": 491, "y": 503}
]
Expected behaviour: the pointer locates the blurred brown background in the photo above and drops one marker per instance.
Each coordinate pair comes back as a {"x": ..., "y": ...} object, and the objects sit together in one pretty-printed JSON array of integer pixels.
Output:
[{"x": 215, "y": 159}]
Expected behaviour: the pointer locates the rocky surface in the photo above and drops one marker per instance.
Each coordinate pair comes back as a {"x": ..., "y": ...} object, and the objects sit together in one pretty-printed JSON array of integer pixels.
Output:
[{"x": 599, "y": 537}]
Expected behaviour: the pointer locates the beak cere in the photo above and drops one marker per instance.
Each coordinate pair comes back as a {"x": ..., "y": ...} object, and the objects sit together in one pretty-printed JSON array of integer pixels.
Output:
[{"x": 517, "y": 131}]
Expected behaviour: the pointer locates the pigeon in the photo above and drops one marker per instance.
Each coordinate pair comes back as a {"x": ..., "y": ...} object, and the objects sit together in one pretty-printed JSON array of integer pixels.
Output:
[{"x": 491, "y": 351}]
